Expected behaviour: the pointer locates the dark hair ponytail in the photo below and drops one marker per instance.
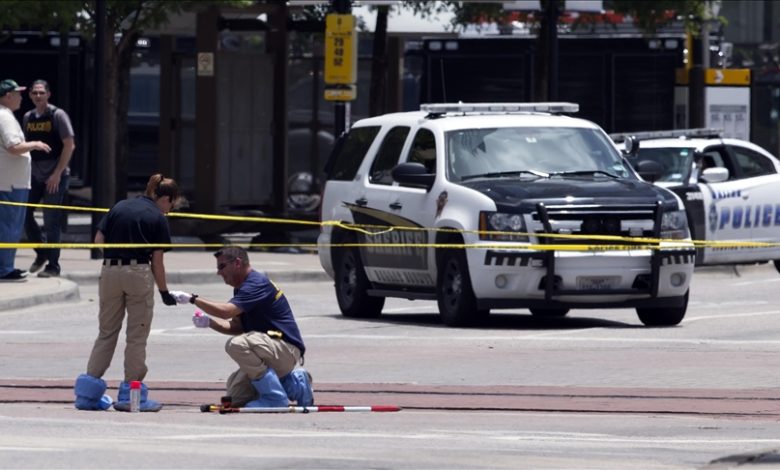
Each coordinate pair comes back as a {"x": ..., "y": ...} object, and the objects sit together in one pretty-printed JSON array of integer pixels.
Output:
[{"x": 159, "y": 186}]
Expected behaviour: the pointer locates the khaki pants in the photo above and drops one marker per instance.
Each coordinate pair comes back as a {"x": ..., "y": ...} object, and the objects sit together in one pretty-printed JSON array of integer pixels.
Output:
[
  {"x": 123, "y": 288},
  {"x": 255, "y": 352}
]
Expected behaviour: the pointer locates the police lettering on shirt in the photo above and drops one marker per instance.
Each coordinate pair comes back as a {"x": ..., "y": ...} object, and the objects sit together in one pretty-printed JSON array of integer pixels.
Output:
[{"x": 38, "y": 126}]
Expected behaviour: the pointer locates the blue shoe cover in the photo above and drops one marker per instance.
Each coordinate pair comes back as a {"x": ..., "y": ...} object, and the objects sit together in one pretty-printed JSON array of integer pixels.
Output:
[
  {"x": 123, "y": 399},
  {"x": 89, "y": 393},
  {"x": 297, "y": 384},
  {"x": 104, "y": 403},
  {"x": 272, "y": 394}
]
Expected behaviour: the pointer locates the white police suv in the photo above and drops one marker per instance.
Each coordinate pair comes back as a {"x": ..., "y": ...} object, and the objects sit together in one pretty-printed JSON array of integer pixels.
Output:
[
  {"x": 729, "y": 188},
  {"x": 499, "y": 205}
]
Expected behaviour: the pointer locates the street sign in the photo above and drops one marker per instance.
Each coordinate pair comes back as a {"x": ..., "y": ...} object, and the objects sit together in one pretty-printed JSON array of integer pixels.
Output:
[
  {"x": 729, "y": 77},
  {"x": 205, "y": 64},
  {"x": 722, "y": 77},
  {"x": 340, "y": 92},
  {"x": 340, "y": 49}
]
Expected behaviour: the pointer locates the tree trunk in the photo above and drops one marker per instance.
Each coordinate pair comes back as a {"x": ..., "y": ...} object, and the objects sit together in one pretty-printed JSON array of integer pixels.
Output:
[
  {"x": 124, "y": 51},
  {"x": 377, "y": 93},
  {"x": 545, "y": 63},
  {"x": 107, "y": 153}
]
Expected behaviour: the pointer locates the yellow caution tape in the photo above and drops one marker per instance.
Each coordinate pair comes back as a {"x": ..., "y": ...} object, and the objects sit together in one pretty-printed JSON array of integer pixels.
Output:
[{"x": 619, "y": 242}]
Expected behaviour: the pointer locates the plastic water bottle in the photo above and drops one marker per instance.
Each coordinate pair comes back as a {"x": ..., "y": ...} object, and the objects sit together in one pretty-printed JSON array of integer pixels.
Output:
[
  {"x": 135, "y": 396},
  {"x": 200, "y": 319}
]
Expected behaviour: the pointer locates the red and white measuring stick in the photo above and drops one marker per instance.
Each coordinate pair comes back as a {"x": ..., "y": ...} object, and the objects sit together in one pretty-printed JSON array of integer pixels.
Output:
[{"x": 304, "y": 409}]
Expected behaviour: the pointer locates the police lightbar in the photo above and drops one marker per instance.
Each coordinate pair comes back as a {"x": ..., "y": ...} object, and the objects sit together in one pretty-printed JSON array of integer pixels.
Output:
[
  {"x": 443, "y": 108},
  {"x": 670, "y": 134}
]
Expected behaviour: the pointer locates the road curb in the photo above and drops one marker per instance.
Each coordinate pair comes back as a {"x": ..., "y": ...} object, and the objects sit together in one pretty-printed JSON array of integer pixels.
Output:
[{"x": 37, "y": 291}]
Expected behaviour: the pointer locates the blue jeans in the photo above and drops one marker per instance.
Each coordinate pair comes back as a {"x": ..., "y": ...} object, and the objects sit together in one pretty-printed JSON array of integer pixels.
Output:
[
  {"x": 52, "y": 221},
  {"x": 11, "y": 222}
]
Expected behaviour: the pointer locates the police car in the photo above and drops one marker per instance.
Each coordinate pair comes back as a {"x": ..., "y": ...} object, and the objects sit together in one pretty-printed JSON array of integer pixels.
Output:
[
  {"x": 492, "y": 206},
  {"x": 729, "y": 187}
]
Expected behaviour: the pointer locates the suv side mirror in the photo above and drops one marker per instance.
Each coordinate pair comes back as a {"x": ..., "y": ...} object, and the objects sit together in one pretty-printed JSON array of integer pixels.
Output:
[
  {"x": 413, "y": 173},
  {"x": 630, "y": 146},
  {"x": 649, "y": 170}
]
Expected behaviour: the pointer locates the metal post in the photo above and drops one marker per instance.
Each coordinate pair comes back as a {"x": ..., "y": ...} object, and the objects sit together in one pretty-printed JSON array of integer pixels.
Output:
[
  {"x": 99, "y": 199},
  {"x": 552, "y": 50},
  {"x": 278, "y": 40},
  {"x": 340, "y": 107},
  {"x": 696, "y": 94}
]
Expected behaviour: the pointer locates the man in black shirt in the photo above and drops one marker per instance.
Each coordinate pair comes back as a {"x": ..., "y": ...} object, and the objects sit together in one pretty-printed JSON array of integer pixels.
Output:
[{"x": 50, "y": 174}]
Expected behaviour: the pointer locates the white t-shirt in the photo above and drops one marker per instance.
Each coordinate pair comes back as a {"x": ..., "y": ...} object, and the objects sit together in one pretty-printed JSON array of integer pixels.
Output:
[{"x": 14, "y": 169}]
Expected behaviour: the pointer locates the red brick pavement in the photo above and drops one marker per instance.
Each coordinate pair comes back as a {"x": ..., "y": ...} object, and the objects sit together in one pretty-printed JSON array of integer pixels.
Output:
[{"x": 762, "y": 403}]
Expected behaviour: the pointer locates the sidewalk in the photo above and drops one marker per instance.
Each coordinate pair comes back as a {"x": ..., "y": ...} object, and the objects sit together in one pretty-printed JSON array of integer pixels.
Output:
[{"x": 182, "y": 267}]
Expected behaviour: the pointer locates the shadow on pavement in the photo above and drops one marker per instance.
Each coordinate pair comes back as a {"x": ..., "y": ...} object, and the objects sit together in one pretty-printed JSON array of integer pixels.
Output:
[{"x": 504, "y": 321}]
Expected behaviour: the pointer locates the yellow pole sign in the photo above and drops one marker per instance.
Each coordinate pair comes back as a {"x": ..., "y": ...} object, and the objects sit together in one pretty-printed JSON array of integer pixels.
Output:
[
  {"x": 340, "y": 53},
  {"x": 728, "y": 77},
  {"x": 340, "y": 92},
  {"x": 723, "y": 77}
]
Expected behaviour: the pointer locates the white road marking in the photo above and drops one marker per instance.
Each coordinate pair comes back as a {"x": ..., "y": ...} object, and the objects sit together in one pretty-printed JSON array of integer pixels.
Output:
[
  {"x": 638, "y": 441},
  {"x": 165, "y": 331},
  {"x": 736, "y": 303},
  {"x": 417, "y": 309},
  {"x": 730, "y": 315},
  {"x": 448, "y": 434},
  {"x": 548, "y": 337},
  {"x": 30, "y": 449},
  {"x": 156, "y": 431},
  {"x": 762, "y": 281}
]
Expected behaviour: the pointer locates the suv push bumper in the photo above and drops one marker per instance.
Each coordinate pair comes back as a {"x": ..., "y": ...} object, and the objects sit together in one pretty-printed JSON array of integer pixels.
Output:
[{"x": 645, "y": 278}]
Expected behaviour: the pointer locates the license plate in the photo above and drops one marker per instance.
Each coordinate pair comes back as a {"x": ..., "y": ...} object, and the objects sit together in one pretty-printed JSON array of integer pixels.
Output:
[{"x": 597, "y": 282}]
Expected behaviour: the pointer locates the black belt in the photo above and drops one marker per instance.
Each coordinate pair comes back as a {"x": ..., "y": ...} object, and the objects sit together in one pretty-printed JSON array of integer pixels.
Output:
[{"x": 123, "y": 262}]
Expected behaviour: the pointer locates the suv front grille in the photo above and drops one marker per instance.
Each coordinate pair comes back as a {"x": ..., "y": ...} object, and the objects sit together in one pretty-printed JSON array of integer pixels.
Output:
[{"x": 584, "y": 220}]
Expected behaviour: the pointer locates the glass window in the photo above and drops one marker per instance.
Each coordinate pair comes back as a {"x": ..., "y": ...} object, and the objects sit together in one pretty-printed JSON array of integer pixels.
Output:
[
  {"x": 676, "y": 162},
  {"x": 387, "y": 156},
  {"x": 752, "y": 163},
  {"x": 550, "y": 150},
  {"x": 423, "y": 150},
  {"x": 348, "y": 154}
]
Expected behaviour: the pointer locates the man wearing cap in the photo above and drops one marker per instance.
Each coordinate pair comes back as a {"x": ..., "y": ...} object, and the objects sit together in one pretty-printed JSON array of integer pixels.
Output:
[
  {"x": 14, "y": 176},
  {"x": 50, "y": 174}
]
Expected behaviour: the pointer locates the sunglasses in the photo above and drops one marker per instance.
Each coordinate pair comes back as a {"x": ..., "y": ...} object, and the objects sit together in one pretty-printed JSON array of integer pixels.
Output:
[{"x": 222, "y": 266}]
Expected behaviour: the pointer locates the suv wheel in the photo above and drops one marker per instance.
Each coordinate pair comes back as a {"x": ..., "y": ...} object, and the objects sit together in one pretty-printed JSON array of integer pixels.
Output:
[
  {"x": 549, "y": 312},
  {"x": 457, "y": 303},
  {"x": 663, "y": 316},
  {"x": 351, "y": 287}
]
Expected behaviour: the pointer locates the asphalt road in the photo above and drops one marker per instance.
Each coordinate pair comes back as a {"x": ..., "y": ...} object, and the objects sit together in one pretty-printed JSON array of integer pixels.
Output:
[{"x": 593, "y": 390}]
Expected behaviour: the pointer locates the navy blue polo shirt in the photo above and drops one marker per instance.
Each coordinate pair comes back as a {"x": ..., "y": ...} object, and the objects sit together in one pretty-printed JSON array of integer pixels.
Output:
[
  {"x": 135, "y": 220},
  {"x": 264, "y": 307}
]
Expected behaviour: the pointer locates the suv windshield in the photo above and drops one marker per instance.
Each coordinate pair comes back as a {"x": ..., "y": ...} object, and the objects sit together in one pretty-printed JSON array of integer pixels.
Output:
[
  {"x": 676, "y": 162},
  {"x": 533, "y": 151}
]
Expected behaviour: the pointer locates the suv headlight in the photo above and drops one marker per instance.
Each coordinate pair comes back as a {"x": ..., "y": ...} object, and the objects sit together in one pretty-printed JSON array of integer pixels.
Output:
[
  {"x": 502, "y": 222},
  {"x": 674, "y": 225}
]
